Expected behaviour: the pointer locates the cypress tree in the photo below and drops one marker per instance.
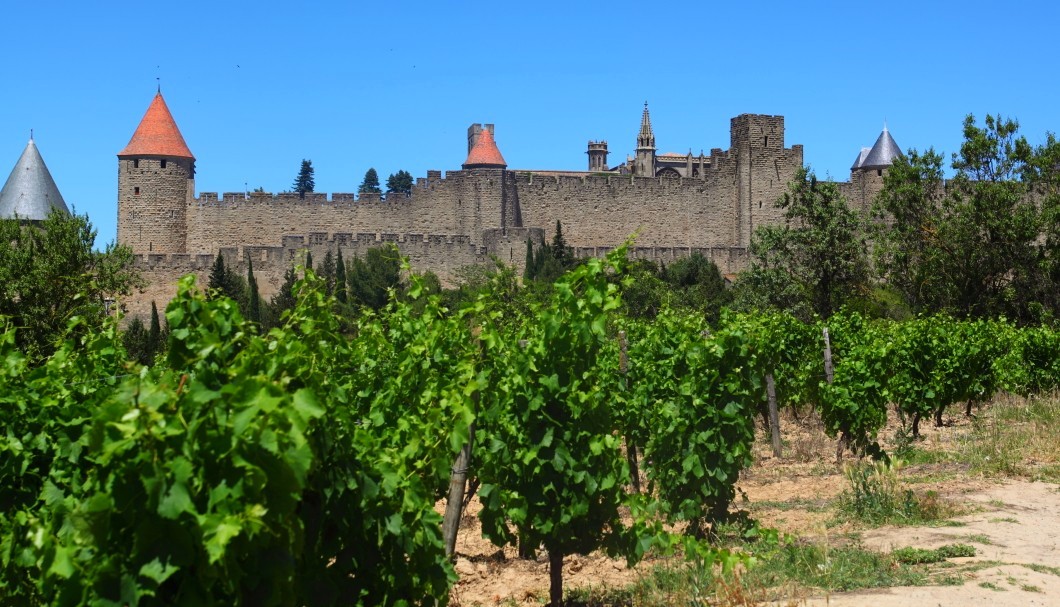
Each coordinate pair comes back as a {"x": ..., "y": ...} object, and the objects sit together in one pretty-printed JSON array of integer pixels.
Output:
[
  {"x": 560, "y": 250},
  {"x": 218, "y": 277},
  {"x": 327, "y": 272},
  {"x": 340, "y": 280},
  {"x": 253, "y": 297},
  {"x": 284, "y": 298},
  {"x": 309, "y": 260},
  {"x": 154, "y": 336},
  {"x": 136, "y": 342},
  {"x": 528, "y": 272}
]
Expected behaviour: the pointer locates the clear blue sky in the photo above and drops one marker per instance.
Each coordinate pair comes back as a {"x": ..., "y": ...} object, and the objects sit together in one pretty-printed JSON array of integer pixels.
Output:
[{"x": 257, "y": 86}]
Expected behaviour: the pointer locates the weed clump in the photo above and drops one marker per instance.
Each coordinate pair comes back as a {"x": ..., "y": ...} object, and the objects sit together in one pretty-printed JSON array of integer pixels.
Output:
[{"x": 877, "y": 496}]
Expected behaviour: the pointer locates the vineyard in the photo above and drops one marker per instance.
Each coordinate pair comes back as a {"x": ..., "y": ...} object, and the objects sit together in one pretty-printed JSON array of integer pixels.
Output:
[{"x": 302, "y": 466}]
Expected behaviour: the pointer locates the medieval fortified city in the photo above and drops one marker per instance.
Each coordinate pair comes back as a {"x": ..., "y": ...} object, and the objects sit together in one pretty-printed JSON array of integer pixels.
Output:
[{"x": 675, "y": 204}]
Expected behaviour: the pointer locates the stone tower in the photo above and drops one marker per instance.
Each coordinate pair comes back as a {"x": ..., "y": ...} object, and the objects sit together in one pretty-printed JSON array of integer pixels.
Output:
[
  {"x": 867, "y": 172},
  {"x": 597, "y": 156},
  {"x": 156, "y": 183},
  {"x": 644, "y": 164}
]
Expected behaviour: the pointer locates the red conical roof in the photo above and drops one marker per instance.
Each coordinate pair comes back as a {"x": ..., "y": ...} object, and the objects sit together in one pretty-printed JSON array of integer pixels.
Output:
[
  {"x": 485, "y": 153},
  {"x": 157, "y": 134}
]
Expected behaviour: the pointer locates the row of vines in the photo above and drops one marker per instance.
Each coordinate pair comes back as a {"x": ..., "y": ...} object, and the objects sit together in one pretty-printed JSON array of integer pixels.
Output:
[{"x": 302, "y": 466}]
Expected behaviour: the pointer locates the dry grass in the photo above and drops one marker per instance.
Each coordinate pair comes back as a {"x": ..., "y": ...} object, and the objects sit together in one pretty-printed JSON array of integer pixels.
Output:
[
  {"x": 801, "y": 494},
  {"x": 1016, "y": 437}
]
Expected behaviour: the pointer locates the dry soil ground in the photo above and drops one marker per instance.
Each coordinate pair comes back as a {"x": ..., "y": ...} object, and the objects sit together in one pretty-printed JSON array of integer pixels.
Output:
[{"x": 1013, "y": 523}]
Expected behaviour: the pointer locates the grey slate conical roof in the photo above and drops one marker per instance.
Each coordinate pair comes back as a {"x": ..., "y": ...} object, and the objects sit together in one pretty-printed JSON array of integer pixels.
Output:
[
  {"x": 861, "y": 159},
  {"x": 30, "y": 192},
  {"x": 882, "y": 153}
]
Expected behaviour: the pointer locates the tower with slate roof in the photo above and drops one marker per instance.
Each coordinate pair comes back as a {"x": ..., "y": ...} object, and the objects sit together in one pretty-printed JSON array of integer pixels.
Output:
[
  {"x": 867, "y": 172},
  {"x": 30, "y": 193},
  {"x": 156, "y": 183}
]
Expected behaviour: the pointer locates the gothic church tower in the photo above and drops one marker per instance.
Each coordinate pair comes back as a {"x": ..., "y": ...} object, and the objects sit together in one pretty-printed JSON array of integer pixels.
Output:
[
  {"x": 156, "y": 183},
  {"x": 644, "y": 165}
]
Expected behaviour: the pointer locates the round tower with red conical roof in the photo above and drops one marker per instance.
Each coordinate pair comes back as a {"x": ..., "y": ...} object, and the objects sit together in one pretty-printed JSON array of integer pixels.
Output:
[{"x": 156, "y": 183}]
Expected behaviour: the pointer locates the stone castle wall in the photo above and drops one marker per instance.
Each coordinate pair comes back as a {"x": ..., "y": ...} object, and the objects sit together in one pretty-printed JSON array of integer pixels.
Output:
[
  {"x": 442, "y": 254},
  {"x": 466, "y": 217},
  {"x": 148, "y": 219},
  {"x": 460, "y": 203}
]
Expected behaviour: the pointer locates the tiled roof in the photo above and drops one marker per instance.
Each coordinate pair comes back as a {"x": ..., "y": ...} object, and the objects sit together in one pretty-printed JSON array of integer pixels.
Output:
[
  {"x": 30, "y": 192},
  {"x": 485, "y": 153},
  {"x": 157, "y": 134}
]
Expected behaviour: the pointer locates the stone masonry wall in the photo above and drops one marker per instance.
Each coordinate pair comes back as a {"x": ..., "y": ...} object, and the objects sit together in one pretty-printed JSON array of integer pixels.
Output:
[
  {"x": 152, "y": 203},
  {"x": 465, "y": 218},
  {"x": 442, "y": 254},
  {"x": 461, "y": 203},
  {"x": 598, "y": 211}
]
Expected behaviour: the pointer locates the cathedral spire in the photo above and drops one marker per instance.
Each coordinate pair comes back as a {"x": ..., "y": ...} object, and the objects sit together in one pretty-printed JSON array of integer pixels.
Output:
[
  {"x": 644, "y": 166},
  {"x": 645, "y": 139}
]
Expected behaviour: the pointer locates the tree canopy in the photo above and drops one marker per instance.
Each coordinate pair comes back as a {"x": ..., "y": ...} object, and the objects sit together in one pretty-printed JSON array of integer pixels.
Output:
[
  {"x": 304, "y": 182},
  {"x": 980, "y": 244},
  {"x": 818, "y": 260},
  {"x": 49, "y": 273},
  {"x": 370, "y": 185},
  {"x": 399, "y": 183}
]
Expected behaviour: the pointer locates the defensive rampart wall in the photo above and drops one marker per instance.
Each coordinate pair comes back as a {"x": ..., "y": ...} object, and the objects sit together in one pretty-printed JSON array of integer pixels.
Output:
[
  {"x": 442, "y": 254},
  {"x": 460, "y": 203}
]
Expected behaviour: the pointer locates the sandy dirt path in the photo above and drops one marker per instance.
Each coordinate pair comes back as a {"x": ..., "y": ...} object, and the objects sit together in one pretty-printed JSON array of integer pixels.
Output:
[{"x": 1017, "y": 528}]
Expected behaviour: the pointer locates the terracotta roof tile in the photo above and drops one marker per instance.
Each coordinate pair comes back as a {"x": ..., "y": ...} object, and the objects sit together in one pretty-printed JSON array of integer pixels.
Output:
[
  {"x": 485, "y": 153},
  {"x": 157, "y": 134}
]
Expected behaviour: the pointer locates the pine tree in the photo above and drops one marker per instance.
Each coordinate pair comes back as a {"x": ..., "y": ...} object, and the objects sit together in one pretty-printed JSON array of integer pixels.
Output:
[
  {"x": 370, "y": 185},
  {"x": 253, "y": 297},
  {"x": 400, "y": 182},
  {"x": 340, "y": 280},
  {"x": 304, "y": 182}
]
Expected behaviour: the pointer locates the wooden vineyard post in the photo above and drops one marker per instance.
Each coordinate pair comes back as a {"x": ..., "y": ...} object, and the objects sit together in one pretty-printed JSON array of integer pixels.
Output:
[
  {"x": 774, "y": 416},
  {"x": 454, "y": 503},
  {"x": 829, "y": 375}
]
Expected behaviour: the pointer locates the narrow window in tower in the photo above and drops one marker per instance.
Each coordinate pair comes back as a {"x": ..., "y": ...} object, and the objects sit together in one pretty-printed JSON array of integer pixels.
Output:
[
  {"x": 136, "y": 191},
  {"x": 765, "y": 143},
  {"x": 163, "y": 163},
  {"x": 879, "y": 172},
  {"x": 136, "y": 163}
]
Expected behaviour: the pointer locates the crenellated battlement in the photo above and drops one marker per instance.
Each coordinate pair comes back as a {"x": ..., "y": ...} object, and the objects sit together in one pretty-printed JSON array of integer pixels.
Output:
[
  {"x": 313, "y": 242},
  {"x": 529, "y": 181},
  {"x": 434, "y": 180},
  {"x": 684, "y": 204}
]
